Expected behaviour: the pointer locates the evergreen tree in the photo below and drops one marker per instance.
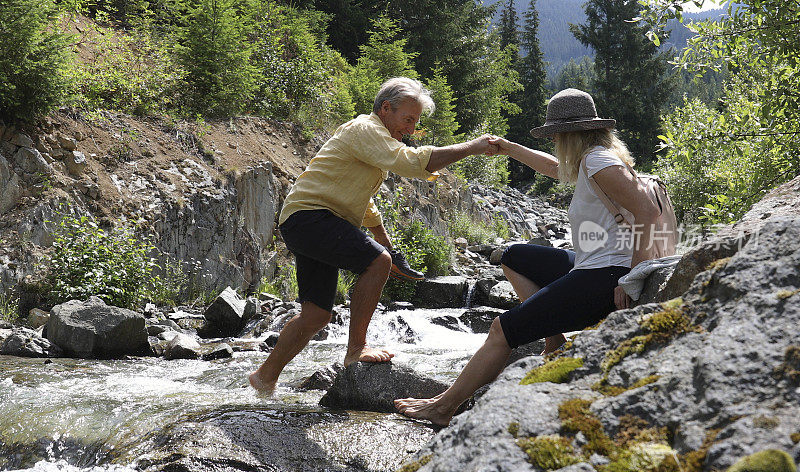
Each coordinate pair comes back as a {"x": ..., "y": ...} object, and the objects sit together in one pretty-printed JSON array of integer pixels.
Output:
[
  {"x": 383, "y": 57},
  {"x": 215, "y": 52},
  {"x": 632, "y": 84},
  {"x": 34, "y": 57},
  {"x": 532, "y": 98},
  {"x": 441, "y": 126},
  {"x": 509, "y": 33}
]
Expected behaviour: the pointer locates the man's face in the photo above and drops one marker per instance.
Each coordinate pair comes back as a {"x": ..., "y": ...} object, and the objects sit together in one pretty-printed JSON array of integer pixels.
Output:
[{"x": 401, "y": 121}]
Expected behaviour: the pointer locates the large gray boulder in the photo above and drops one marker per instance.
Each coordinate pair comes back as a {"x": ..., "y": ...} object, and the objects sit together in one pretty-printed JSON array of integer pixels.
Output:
[
  {"x": 182, "y": 346},
  {"x": 441, "y": 292},
  {"x": 227, "y": 315},
  {"x": 375, "y": 386},
  {"x": 713, "y": 376},
  {"x": 502, "y": 295},
  {"x": 24, "y": 342},
  {"x": 479, "y": 319},
  {"x": 94, "y": 330}
]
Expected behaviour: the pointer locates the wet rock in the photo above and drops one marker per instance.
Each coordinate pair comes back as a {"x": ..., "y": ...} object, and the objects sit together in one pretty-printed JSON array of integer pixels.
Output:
[
  {"x": 280, "y": 321},
  {"x": 92, "y": 329},
  {"x": 23, "y": 342},
  {"x": 503, "y": 295},
  {"x": 405, "y": 334},
  {"x": 448, "y": 321},
  {"x": 37, "y": 318},
  {"x": 321, "y": 379},
  {"x": 441, "y": 292},
  {"x": 374, "y": 387},
  {"x": 182, "y": 346},
  {"x": 262, "y": 439},
  {"x": 155, "y": 330},
  {"x": 271, "y": 340},
  {"x": 220, "y": 351},
  {"x": 227, "y": 315},
  {"x": 479, "y": 319},
  {"x": 397, "y": 305}
]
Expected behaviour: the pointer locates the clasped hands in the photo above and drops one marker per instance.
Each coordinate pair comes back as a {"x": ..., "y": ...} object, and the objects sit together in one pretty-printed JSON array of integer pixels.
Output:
[{"x": 489, "y": 145}]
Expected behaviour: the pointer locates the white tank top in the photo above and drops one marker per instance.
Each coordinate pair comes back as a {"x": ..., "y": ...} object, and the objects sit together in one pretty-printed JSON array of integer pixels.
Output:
[{"x": 596, "y": 237}]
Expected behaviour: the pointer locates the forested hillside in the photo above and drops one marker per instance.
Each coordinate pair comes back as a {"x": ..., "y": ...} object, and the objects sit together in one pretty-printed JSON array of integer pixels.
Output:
[
  {"x": 732, "y": 100},
  {"x": 559, "y": 46}
]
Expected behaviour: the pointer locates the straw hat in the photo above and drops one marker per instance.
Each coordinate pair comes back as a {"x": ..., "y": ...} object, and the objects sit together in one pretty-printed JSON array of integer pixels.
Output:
[{"x": 571, "y": 110}]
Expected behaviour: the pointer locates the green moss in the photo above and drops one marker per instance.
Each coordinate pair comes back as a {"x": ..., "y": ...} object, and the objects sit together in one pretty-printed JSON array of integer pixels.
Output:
[
  {"x": 795, "y": 437},
  {"x": 609, "y": 390},
  {"x": 576, "y": 417},
  {"x": 693, "y": 461},
  {"x": 641, "y": 457},
  {"x": 718, "y": 263},
  {"x": 784, "y": 294},
  {"x": 789, "y": 369},
  {"x": 416, "y": 465},
  {"x": 634, "y": 345},
  {"x": 770, "y": 460},
  {"x": 556, "y": 371},
  {"x": 513, "y": 428},
  {"x": 549, "y": 452},
  {"x": 766, "y": 422}
]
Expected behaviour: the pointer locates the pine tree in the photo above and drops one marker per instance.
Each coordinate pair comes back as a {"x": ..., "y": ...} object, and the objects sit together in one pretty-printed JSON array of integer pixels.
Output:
[
  {"x": 509, "y": 32},
  {"x": 220, "y": 78},
  {"x": 441, "y": 126},
  {"x": 531, "y": 99},
  {"x": 34, "y": 57},
  {"x": 632, "y": 84},
  {"x": 383, "y": 57}
]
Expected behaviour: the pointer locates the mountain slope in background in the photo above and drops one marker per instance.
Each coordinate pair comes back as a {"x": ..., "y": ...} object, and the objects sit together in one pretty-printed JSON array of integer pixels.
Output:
[{"x": 557, "y": 43}]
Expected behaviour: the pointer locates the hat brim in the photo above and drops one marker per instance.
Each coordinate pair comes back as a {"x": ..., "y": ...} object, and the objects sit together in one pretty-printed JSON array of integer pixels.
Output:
[{"x": 549, "y": 129}]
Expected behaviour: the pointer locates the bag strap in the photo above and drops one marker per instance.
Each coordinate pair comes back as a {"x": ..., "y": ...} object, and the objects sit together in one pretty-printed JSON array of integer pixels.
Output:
[{"x": 612, "y": 208}]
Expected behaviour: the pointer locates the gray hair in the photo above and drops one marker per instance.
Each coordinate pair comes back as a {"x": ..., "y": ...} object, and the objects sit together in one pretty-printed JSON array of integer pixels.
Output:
[{"x": 399, "y": 89}]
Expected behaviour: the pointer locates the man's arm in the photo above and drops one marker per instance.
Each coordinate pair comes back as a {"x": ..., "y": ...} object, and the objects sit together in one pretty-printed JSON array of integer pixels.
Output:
[
  {"x": 441, "y": 157},
  {"x": 379, "y": 234}
]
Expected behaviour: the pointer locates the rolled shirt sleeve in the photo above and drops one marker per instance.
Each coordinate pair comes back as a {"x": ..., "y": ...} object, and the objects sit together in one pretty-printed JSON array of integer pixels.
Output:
[{"x": 372, "y": 217}]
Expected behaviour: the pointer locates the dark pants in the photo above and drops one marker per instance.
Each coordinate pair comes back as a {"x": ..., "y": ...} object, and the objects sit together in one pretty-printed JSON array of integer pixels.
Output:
[
  {"x": 322, "y": 244},
  {"x": 567, "y": 301}
]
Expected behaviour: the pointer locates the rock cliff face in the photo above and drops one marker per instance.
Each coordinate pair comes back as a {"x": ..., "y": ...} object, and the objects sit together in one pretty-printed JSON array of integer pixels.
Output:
[
  {"x": 704, "y": 379},
  {"x": 208, "y": 193}
]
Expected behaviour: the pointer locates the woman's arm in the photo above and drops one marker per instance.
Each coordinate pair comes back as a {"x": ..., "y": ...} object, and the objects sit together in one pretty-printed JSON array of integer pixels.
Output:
[
  {"x": 539, "y": 161},
  {"x": 621, "y": 186}
]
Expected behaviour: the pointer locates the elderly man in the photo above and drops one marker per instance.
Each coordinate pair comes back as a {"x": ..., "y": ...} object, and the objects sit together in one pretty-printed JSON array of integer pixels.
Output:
[{"x": 328, "y": 204}]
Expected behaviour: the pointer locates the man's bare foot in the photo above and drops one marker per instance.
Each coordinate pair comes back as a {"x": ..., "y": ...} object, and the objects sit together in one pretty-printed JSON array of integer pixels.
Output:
[
  {"x": 424, "y": 409},
  {"x": 552, "y": 343},
  {"x": 366, "y": 354},
  {"x": 265, "y": 388}
]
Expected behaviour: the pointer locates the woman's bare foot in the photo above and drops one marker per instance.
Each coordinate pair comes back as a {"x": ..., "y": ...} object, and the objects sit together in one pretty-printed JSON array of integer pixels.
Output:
[
  {"x": 263, "y": 387},
  {"x": 366, "y": 354},
  {"x": 552, "y": 343},
  {"x": 425, "y": 409}
]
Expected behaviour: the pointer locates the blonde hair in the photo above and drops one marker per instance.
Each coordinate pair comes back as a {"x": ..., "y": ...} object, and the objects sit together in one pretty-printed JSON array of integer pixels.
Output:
[{"x": 572, "y": 147}]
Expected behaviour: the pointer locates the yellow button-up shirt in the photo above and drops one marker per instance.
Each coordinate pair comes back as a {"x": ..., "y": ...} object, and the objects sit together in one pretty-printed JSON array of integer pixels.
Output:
[{"x": 348, "y": 171}]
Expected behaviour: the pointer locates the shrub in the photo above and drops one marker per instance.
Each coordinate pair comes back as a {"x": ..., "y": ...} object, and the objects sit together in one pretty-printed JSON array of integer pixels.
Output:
[
  {"x": 484, "y": 170},
  {"x": 127, "y": 72},
  {"x": 220, "y": 80},
  {"x": 34, "y": 58},
  {"x": 283, "y": 285},
  {"x": 461, "y": 225},
  {"x": 87, "y": 260},
  {"x": 9, "y": 307}
]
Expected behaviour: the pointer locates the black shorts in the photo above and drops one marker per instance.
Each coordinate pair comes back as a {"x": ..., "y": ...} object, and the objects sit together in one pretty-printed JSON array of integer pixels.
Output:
[
  {"x": 322, "y": 244},
  {"x": 567, "y": 301}
]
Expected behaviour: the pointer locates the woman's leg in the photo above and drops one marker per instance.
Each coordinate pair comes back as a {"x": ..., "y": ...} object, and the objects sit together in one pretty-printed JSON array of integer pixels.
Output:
[
  {"x": 485, "y": 366},
  {"x": 558, "y": 263}
]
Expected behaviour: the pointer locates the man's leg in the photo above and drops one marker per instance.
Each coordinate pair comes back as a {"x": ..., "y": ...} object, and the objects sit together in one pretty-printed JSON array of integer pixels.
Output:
[
  {"x": 293, "y": 338},
  {"x": 485, "y": 366},
  {"x": 365, "y": 297}
]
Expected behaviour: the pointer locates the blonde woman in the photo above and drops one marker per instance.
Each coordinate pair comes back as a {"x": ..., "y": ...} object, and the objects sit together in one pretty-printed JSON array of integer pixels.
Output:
[{"x": 561, "y": 290}]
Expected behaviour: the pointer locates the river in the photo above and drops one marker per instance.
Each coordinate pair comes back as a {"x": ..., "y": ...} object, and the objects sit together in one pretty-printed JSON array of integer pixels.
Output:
[{"x": 121, "y": 415}]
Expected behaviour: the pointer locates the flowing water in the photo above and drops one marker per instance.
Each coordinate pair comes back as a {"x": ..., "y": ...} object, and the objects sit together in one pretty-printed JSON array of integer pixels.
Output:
[{"x": 90, "y": 415}]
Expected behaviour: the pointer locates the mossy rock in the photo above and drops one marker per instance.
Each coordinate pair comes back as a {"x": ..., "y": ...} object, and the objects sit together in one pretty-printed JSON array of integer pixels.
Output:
[
  {"x": 556, "y": 371},
  {"x": 770, "y": 460}
]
